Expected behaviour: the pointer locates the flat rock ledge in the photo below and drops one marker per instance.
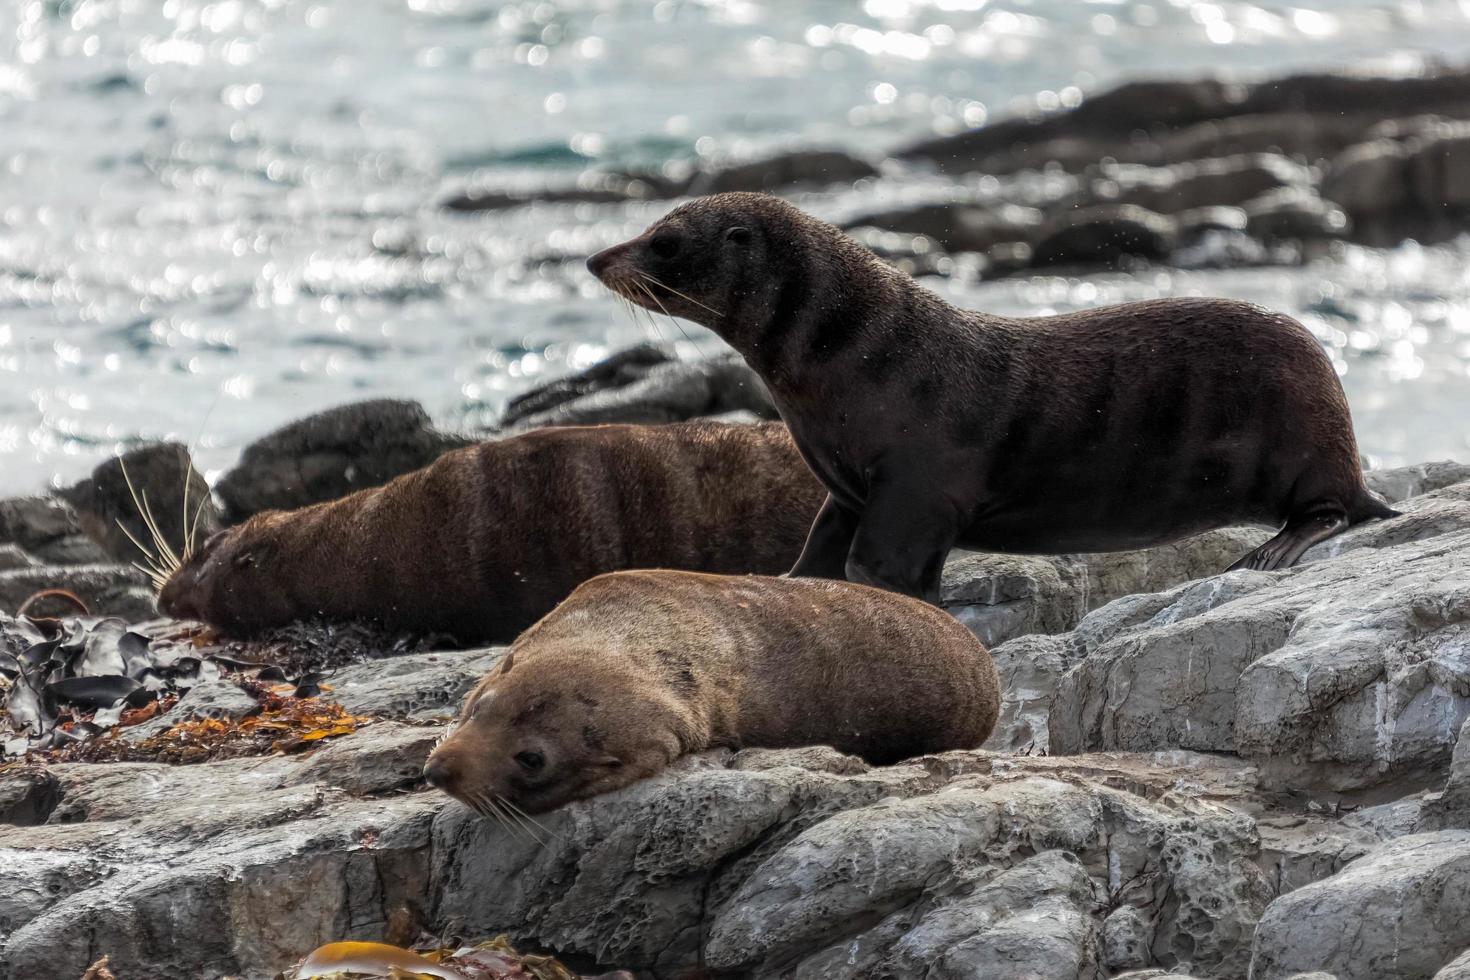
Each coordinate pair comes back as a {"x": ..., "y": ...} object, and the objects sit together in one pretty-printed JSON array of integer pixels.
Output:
[{"x": 1223, "y": 776}]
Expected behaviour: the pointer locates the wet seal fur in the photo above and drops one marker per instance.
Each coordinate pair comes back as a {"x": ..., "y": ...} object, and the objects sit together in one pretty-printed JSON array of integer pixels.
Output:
[
  {"x": 485, "y": 540},
  {"x": 1101, "y": 430},
  {"x": 636, "y": 669}
]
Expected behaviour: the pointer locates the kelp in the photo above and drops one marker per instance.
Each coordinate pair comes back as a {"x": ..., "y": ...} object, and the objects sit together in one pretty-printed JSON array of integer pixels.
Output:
[{"x": 494, "y": 959}]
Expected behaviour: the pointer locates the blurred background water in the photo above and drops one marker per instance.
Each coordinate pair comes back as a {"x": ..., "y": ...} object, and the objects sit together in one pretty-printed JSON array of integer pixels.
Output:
[{"x": 216, "y": 217}]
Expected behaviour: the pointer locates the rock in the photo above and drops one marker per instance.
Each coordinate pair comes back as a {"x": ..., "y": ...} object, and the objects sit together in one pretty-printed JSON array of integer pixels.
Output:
[
  {"x": 13, "y": 557},
  {"x": 1104, "y": 234},
  {"x": 1369, "y": 177},
  {"x": 381, "y": 758},
  {"x": 108, "y": 590},
  {"x": 643, "y": 384},
  {"x": 217, "y": 700},
  {"x": 27, "y": 797},
  {"x": 1127, "y": 936},
  {"x": 590, "y": 188},
  {"x": 1403, "y": 482},
  {"x": 1002, "y": 596},
  {"x": 1343, "y": 673},
  {"x": 331, "y": 454},
  {"x": 1396, "y": 912},
  {"x": 957, "y": 226},
  {"x": 48, "y": 529},
  {"x": 421, "y": 684},
  {"x": 1164, "y": 121},
  {"x": 1451, "y": 807},
  {"x": 1293, "y": 214},
  {"x": 1223, "y": 181},
  {"x": 128, "y": 497},
  {"x": 1457, "y": 969},
  {"x": 796, "y": 168}
]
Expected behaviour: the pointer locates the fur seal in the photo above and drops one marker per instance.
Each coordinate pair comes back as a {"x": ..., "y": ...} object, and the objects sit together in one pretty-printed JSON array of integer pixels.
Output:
[
  {"x": 483, "y": 541},
  {"x": 1100, "y": 430},
  {"x": 635, "y": 669}
]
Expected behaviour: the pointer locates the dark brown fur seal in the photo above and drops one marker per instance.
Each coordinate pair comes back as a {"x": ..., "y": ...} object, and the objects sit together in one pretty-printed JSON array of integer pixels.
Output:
[
  {"x": 486, "y": 539},
  {"x": 638, "y": 668},
  {"x": 1100, "y": 430}
]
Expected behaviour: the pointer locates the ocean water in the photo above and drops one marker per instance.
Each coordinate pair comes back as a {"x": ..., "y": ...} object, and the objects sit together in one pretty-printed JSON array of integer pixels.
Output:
[{"x": 218, "y": 216}]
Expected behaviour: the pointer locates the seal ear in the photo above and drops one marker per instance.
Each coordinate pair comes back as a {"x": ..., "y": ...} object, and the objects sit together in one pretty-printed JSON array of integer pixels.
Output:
[
  {"x": 738, "y": 235},
  {"x": 507, "y": 662}
]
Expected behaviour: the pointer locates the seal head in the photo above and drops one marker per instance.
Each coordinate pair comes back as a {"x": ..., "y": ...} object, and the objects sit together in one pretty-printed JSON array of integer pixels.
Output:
[
  {"x": 562, "y": 727},
  {"x": 233, "y": 582}
]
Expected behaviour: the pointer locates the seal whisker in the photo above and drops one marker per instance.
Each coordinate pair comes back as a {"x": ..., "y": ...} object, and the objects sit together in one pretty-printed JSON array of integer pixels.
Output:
[
  {"x": 665, "y": 311},
  {"x": 664, "y": 285},
  {"x": 504, "y": 806},
  {"x": 486, "y": 807},
  {"x": 545, "y": 829},
  {"x": 166, "y": 554}
]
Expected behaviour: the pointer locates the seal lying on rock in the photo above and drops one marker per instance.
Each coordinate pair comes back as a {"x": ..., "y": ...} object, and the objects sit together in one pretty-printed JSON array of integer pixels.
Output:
[
  {"x": 1101, "y": 430},
  {"x": 486, "y": 539},
  {"x": 635, "y": 669}
]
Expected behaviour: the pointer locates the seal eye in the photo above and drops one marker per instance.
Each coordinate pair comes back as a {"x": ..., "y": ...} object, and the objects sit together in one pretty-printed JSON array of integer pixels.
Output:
[
  {"x": 664, "y": 245},
  {"x": 530, "y": 761},
  {"x": 738, "y": 235}
]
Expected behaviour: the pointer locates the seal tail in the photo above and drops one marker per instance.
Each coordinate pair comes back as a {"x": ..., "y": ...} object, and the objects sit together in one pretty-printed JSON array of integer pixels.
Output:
[{"x": 1369, "y": 505}]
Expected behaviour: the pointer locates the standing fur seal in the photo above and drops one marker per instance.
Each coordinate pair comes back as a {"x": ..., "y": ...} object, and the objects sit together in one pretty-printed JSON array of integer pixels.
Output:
[
  {"x": 485, "y": 540},
  {"x": 1101, "y": 430},
  {"x": 635, "y": 669}
]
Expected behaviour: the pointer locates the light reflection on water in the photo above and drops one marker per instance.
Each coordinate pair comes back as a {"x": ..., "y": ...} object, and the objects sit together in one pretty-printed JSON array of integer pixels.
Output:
[{"x": 217, "y": 216}]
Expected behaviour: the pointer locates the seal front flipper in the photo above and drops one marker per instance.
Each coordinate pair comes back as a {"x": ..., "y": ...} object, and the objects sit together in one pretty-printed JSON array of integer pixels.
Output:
[
  {"x": 828, "y": 543},
  {"x": 906, "y": 532},
  {"x": 1299, "y": 534}
]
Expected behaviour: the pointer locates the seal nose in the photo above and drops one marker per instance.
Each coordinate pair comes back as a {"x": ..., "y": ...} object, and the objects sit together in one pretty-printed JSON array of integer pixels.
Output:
[
  {"x": 438, "y": 772},
  {"x": 598, "y": 264}
]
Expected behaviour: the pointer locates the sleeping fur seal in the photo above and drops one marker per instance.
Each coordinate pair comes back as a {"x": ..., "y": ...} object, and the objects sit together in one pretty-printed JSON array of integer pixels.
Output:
[
  {"x": 636, "y": 669},
  {"x": 1100, "y": 430},
  {"x": 486, "y": 539}
]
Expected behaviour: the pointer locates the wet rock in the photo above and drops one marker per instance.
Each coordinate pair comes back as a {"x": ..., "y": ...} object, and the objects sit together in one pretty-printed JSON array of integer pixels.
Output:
[
  {"x": 643, "y": 384},
  {"x": 13, "y": 557},
  {"x": 1103, "y": 235},
  {"x": 1224, "y": 181},
  {"x": 1163, "y": 121},
  {"x": 47, "y": 528},
  {"x": 590, "y": 188},
  {"x": 108, "y": 590},
  {"x": 129, "y": 496},
  {"x": 1341, "y": 674},
  {"x": 1396, "y": 912},
  {"x": 382, "y": 758},
  {"x": 219, "y": 700},
  {"x": 956, "y": 226},
  {"x": 797, "y": 168},
  {"x": 331, "y": 454},
  {"x": 1294, "y": 214}
]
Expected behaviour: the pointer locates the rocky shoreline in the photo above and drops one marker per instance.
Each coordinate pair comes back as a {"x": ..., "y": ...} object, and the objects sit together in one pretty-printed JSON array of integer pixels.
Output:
[
  {"x": 1193, "y": 173},
  {"x": 1217, "y": 775}
]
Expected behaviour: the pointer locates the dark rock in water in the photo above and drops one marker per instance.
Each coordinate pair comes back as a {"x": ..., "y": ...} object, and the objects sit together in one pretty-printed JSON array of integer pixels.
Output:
[
  {"x": 1229, "y": 180},
  {"x": 593, "y": 188},
  {"x": 1104, "y": 234},
  {"x": 958, "y": 227},
  {"x": 1196, "y": 222},
  {"x": 1411, "y": 182},
  {"x": 643, "y": 384},
  {"x": 129, "y": 496},
  {"x": 1137, "y": 121},
  {"x": 12, "y": 556},
  {"x": 1008, "y": 257},
  {"x": 48, "y": 529},
  {"x": 108, "y": 590},
  {"x": 331, "y": 454},
  {"x": 812, "y": 167},
  {"x": 1294, "y": 214}
]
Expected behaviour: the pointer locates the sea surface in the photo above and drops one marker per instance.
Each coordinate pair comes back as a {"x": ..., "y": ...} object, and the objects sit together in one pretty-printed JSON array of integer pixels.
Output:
[{"x": 216, "y": 217}]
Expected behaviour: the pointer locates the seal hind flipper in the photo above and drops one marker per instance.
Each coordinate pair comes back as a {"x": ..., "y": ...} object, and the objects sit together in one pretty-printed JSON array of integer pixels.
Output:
[{"x": 1286, "y": 548}]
